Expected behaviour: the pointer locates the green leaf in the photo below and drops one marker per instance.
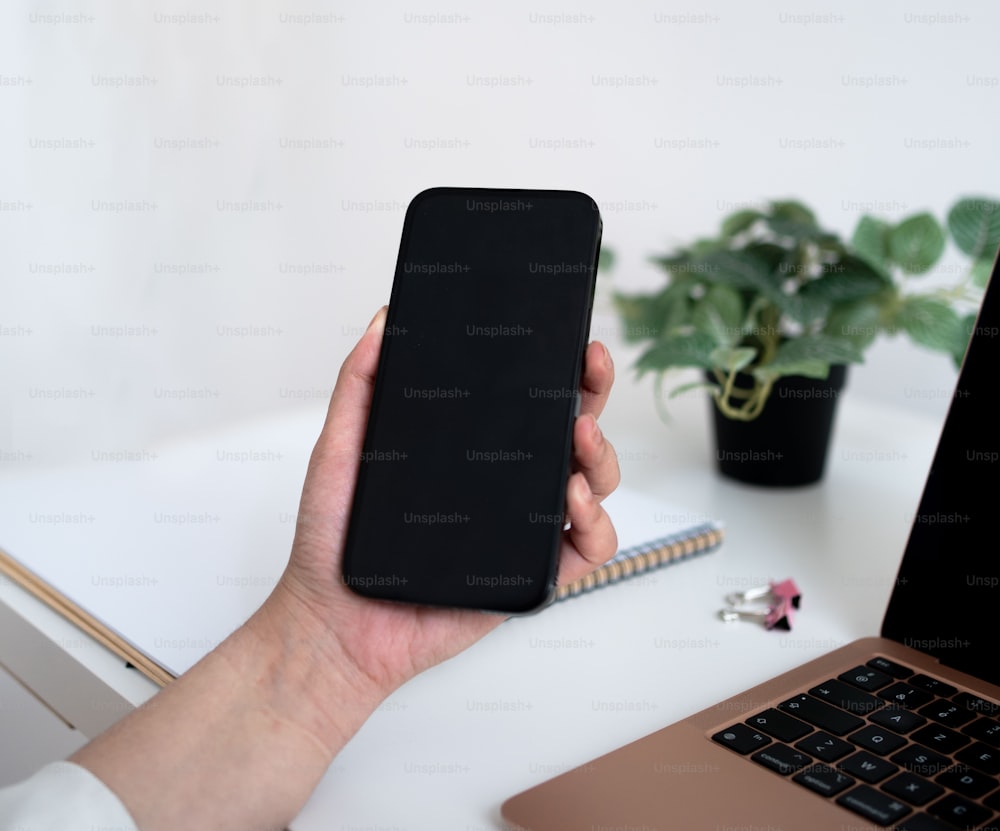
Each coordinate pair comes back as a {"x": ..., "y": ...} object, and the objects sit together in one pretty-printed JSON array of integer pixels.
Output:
[
  {"x": 930, "y": 322},
  {"x": 793, "y": 219},
  {"x": 606, "y": 259},
  {"x": 739, "y": 221},
  {"x": 740, "y": 270},
  {"x": 733, "y": 359},
  {"x": 974, "y": 224},
  {"x": 828, "y": 348},
  {"x": 980, "y": 272},
  {"x": 850, "y": 279},
  {"x": 772, "y": 255},
  {"x": 644, "y": 316},
  {"x": 707, "y": 245},
  {"x": 858, "y": 322},
  {"x": 831, "y": 248},
  {"x": 871, "y": 241},
  {"x": 693, "y": 385},
  {"x": 729, "y": 303},
  {"x": 916, "y": 243},
  {"x": 706, "y": 320},
  {"x": 792, "y": 211},
  {"x": 800, "y": 231},
  {"x": 684, "y": 350},
  {"x": 809, "y": 355},
  {"x": 677, "y": 317},
  {"x": 720, "y": 314},
  {"x": 804, "y": 308},
  {"x": 807, "y": 367}
]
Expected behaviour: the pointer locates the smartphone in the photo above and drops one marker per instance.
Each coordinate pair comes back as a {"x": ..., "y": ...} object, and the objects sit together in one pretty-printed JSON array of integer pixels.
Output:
[{"x": 460, "y": 496}]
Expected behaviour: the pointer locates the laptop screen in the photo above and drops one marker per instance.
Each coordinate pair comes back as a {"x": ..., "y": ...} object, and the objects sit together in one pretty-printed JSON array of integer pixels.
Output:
[{"x": 946, "y": 601}]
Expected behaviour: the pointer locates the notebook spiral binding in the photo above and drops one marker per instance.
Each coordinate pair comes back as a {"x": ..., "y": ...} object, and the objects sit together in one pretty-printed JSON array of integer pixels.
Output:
[{"x": 651, "y": 555}]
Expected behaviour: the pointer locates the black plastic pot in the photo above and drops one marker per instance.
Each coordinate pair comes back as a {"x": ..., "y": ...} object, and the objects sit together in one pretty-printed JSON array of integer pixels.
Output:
[{"x": 787, "y": 444}]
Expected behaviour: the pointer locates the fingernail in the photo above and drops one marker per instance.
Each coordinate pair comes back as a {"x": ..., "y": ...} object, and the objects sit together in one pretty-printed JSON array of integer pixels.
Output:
[
  {"x": 607, "y": 357},
  {"x": 596, "y": 432},
  {"x": 378, "y": 322}
]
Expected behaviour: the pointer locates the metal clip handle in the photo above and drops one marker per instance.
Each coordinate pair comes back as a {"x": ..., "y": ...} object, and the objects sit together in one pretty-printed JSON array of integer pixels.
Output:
[
  {"x": 778, "y": 615},
  {"x": 731, "y": 614}
]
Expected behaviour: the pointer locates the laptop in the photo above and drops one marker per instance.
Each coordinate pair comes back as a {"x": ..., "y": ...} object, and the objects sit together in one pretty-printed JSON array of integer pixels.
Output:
[{"x": 897, "y": 731}]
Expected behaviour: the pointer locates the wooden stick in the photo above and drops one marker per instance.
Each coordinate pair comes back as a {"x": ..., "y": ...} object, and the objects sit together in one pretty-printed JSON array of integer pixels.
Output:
[{"x": 87, "y": 623}]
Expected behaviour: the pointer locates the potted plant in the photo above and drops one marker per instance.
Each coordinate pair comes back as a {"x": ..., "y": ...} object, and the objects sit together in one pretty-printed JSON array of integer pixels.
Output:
[{"x": 775, "y": 307}]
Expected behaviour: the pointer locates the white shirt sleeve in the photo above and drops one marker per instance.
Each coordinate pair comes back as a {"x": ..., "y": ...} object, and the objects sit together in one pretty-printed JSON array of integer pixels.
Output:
[{"x": 62, "y": 796}]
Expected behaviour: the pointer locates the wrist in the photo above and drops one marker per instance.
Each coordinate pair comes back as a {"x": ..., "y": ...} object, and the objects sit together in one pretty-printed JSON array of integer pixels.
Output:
[
  {"x": 302, "y": 673},
  {"x": 241, "y": 739}
]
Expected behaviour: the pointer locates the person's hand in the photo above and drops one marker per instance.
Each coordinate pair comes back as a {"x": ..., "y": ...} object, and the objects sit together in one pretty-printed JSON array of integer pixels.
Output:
[
  {"x": 383, "y": 643},
  {"x": 240, "y": 740}
]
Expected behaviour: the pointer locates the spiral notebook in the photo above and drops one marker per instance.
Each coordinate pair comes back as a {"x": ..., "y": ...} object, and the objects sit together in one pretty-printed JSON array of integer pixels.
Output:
[
  {"x": 651, "y": 535},
  {"x": 119, "y": 549}
]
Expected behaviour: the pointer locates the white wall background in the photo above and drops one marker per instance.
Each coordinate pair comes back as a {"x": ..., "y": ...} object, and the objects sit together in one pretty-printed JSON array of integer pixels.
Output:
[{"x": 200, "y": 202}]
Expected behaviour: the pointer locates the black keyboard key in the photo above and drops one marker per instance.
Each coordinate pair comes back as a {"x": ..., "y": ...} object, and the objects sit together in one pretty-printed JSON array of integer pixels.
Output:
[
  {"x": 874, "y": 805},
  {"x": 984, "y": 730},
  {"x": 823, "y": 780},
  {"x": 914, "y": 789},
  {"x": 782, "y": 727},
  {"x": 903, "y": 695},
  {"x": 977, "y": 705},
  {"x": 866, "y": 767},
  {"x": 946, "y": 713},
  {"x": 866, "y": 678},
  {"x": 922, "y": 822},
  {"x": 890, "y": 667},
  {"x": 980, "y": 756},
  {"x": 921, "y": 760},
  {"x": 782, "y": 759},
  {"x": 825, "y": 747},
  {"x": 741, "y": 738},
  {"x": 822, "y": 715},
  {"x": 942, "y": 739},
  {"x": 959, "y": 811},
  {"x": 993, "y": 801},
  {"x": 897, "y": 719},
  {"x": 932, "y": 685},
  {"x": 877, "y": 739},
  {"x": 846, "y": 697},
  {"x": 967, "y": 781}
]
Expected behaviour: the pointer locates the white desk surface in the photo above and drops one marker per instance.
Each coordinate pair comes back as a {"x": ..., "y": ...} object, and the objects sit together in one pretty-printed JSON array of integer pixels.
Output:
[{"x": 547, "y": 692}]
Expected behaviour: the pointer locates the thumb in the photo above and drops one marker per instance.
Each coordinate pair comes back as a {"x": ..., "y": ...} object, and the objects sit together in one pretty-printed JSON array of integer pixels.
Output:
[
  {"x": 347, "y": 414},
  {"x": 333, "y": 466}
]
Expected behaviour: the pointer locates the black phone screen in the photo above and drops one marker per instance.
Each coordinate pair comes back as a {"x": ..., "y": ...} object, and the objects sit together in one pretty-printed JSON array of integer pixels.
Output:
[{"x": 461, "y": 491}]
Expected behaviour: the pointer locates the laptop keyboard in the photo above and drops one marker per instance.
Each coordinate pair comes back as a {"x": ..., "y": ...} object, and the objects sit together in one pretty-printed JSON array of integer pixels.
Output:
[{"x": 900, "y": 748}]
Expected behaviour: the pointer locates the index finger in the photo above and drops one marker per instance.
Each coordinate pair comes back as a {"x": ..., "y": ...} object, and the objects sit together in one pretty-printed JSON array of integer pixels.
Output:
[{"x": 598, "y": 378}]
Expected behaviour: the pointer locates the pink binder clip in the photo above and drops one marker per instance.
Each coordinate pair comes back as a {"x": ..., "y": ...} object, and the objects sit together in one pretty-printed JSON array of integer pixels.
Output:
[
  {"x": 779, "y": 616},
  {"x": 780, "y": 598},
  {"x": 787, "y": 590}
]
